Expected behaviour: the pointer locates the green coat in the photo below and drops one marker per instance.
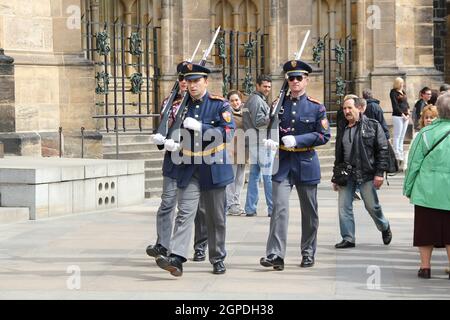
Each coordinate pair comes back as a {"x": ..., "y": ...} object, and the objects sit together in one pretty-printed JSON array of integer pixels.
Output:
[{"x": 427, "y": 181}]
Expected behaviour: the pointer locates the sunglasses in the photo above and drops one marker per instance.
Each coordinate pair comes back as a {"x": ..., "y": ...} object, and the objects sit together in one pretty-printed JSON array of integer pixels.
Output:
[
  {"x": 180, "y": 78},
  {"x": 299, "y": 78}
]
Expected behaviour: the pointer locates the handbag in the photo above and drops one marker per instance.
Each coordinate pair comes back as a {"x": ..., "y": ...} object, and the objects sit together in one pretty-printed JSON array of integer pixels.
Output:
[
  {"x": 393, "y": 164},
  {"x": 341, "y": 174}
]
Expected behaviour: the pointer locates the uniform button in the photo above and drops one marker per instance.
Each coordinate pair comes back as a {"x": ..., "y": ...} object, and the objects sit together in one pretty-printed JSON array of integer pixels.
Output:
[
  {"x": 307, "y": 120},
  {"x": 196, "y": 134},
  {"x": 197, "y": 144},
  {"x": 295, "y": 103},
  {"x": 212, "y": 122},
  {"x": 293, "y": 112},
  {"x": 293, "y": 120},
  {"x": 292, "y": 129},
  {"x": 197, "y": 106},
  {"x": 196, "y": 115}
]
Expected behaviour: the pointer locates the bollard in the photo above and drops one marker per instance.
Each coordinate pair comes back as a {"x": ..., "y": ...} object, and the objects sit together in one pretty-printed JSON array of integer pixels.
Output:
[{"x": 82, "y": 142}]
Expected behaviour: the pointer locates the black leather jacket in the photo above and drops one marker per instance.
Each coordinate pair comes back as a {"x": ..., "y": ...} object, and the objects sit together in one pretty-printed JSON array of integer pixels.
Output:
[{"x": 369, "y": 155}]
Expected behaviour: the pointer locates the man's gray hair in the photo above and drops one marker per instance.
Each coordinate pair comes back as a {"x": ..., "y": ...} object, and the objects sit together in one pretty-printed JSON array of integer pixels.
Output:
[
  {"x": 360, "y": 102},
  {"x": 367, "y": 94},
  {"x": 444, "y": 87},
  {"x": 443, "y": 106}
]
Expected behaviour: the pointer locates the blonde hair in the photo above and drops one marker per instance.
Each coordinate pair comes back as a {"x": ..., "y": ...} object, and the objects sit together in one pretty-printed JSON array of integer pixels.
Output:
[
  {"x": 398, "y": 83},
  {"x": 428, "y": 109}
]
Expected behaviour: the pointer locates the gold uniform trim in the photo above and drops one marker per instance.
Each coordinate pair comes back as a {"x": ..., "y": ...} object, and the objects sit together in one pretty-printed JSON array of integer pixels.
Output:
[
  {"x": 282, "y": 147},
  {"x": 208, "y": 152}
]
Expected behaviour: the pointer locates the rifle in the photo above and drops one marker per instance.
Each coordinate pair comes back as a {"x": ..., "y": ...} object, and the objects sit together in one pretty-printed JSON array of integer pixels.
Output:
[
  {"x": 164, "y": 123},
  {"x": 284, "y": 89},
  {"x": 183, "y": 105}
]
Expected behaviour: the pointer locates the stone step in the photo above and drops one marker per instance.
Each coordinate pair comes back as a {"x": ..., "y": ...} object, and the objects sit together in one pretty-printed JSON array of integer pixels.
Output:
[
  {"x": 126, "y": 138},
  {"x": 135, "y": 146},
  {"x": 14, "y": 214},
  {"x": 153, "y": 183},
  {"x": 153, "y": 173},
  {"x": 130, "y": 155},
  {"x": 154, "y": 163},
  {"x": 153, "y": 193}
]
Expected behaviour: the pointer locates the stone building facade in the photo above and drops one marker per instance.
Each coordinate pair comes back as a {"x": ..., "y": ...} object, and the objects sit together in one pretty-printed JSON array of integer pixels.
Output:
[{"x": 53, "y": 77}]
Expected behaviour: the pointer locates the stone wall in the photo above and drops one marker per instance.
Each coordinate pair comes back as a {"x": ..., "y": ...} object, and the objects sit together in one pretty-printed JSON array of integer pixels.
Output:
[{"x": 54, "y": 84}]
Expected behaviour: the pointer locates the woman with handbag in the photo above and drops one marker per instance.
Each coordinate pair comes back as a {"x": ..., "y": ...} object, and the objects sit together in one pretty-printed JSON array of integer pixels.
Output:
[{"x": 427, "y": 185}]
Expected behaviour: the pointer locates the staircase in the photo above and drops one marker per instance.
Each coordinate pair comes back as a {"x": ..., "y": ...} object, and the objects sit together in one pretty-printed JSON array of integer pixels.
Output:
[
  {"x": 326, "y": 157},
  {"x": 138, "y": 146}
]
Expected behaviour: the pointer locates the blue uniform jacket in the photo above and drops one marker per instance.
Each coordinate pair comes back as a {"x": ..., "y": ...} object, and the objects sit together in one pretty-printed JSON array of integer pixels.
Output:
[
  {"x": 306, "y": 120},
  {"x": 208, "y": 156}
]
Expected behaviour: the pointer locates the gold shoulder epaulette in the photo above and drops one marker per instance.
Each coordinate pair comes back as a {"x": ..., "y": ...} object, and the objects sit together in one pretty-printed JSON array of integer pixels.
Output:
[
  {"x": 314, "y": 100},
  {"x": 216, "y": 97}
]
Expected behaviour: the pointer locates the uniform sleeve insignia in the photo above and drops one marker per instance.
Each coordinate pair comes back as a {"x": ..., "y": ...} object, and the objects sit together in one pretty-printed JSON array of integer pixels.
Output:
[
  {"x": 313, "y": 100},
  {"x": 226, "y": 116},
  {"x": 216, "y": 97},
  {"x": 324, "y": 123}
]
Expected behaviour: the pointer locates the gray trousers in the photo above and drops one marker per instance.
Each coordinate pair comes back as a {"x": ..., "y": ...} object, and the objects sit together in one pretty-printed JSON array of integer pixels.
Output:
[
  {"x": 212, "y": 201},
  {"x": 166, "y": 212},
  {"x": 234, "y": 189},
  {"x": 307, "y": 195}
]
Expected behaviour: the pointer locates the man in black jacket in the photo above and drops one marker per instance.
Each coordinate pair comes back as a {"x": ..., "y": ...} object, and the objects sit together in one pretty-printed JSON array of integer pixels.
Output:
[
  {"x": 361, "y": 159},
  {"x": 374, "y": 111}
]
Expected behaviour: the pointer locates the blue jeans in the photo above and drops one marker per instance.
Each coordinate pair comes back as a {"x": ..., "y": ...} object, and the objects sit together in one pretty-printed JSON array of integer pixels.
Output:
[
  {"x": 371, "y": 203},
  {"x": 260, "y": 161}
]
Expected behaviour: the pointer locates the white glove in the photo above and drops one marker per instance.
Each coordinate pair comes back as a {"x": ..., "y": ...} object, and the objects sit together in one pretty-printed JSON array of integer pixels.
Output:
[
  {"x": 269, "y": 143},
  {"x": 289, "y": 141},
  {"x": 157, "y": 138},
  {"x": 191, "y": 123},
  {"x": 171, "y": 145}
]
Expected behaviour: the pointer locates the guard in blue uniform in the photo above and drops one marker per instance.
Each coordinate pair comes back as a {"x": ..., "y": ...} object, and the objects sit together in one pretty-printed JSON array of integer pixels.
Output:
[
  {"x": 166, "y": 210},
  {"x": 303, "y": 125},
  {"x": 203, "y": 173}
]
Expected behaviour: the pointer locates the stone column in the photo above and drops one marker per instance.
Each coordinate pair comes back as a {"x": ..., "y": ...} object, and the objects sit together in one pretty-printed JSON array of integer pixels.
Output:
[
  {"x": 276, "y": 46},
  {"x": 7, "y": 97},
  {"x": 363, "y": 45},
  {"x": 236, "y": 16},
  {"x": 10, "y": 141},
  {"x": 165, "y": 37},
  {"x": 128, "y": 15},
  {"x": 384, "y": 52}
]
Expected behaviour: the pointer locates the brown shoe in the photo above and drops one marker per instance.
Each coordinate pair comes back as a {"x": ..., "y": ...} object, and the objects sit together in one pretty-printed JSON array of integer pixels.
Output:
[{"x": 424, "y": 273}]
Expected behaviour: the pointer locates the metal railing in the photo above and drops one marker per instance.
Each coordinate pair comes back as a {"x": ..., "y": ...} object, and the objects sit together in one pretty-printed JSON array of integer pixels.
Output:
[
  {"x": 242, "y": 56},
  {"x": 127, "y": 73}
]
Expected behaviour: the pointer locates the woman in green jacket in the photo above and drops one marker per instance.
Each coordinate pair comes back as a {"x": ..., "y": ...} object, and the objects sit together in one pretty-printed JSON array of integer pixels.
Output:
[{"x": 427, "y": 185}]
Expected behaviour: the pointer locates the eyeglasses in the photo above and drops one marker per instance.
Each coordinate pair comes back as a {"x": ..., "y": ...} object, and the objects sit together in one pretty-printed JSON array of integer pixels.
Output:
[
  {"x": 299, "y": 78},
  {"x": 180, "y": 78}
]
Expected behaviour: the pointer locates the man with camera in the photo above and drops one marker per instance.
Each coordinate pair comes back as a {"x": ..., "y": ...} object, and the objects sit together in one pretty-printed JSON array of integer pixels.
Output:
[{"x": 361, "y": 159}]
